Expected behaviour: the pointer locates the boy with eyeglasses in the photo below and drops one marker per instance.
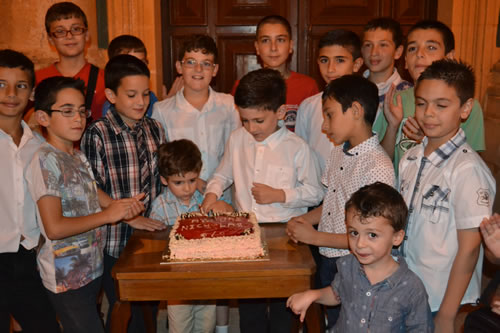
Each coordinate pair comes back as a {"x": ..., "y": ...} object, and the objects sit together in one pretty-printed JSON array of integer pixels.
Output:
[
  {"x": 71, "y": 210},
  {"x": 67, "y": 30}
]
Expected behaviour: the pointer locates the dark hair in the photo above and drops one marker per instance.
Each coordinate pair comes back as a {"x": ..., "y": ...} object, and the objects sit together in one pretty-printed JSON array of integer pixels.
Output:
[
  {"x": 47, "y": 90},
  {"x": 387, "y": 23},
  {"x": 199, "y": 43},
  {"x": 443, "y": 29},
  {"x": 64, "y": 10},
  {"x": 379, "y": 200},
  {"x": 121, "y": 66},
  {"x": 455, "y": 74},
  {"x": 179, "y": 157},
  {"x": 262, "y": 89},
  {"x": 125, "y": 43},
  {"x": 353, "y": 88},
  {"x": 13, "y": 59},
  {"x": 345, "y": 38},
  {"x": 274, "y": 19}
]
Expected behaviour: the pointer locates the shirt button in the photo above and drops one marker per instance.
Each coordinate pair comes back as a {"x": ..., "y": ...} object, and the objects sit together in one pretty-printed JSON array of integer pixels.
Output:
[
  {"x": 390, "y": 318},
  {"x": 363, "y": 320},
  {"x": 368, "y": 293},
  {"x": 341, "y": 168}
]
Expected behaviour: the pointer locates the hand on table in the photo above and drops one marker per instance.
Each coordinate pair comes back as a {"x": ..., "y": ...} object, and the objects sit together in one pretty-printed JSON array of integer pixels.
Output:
[{"x": 299, "y": 230}]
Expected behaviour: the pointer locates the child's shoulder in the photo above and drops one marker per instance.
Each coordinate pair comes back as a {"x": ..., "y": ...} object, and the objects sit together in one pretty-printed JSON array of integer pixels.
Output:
[{"x": 313, "y": 100}]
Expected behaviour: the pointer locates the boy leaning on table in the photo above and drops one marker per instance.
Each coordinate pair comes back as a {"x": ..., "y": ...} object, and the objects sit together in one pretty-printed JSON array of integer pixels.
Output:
[{"x": 275, "y": 174}]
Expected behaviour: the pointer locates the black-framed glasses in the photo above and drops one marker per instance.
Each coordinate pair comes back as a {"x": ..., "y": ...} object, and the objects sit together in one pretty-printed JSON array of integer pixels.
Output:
[
  {"x": 70, "y": 113},
  {"x": 191, "y": 63},
  {"x": 75, "y": 31}
]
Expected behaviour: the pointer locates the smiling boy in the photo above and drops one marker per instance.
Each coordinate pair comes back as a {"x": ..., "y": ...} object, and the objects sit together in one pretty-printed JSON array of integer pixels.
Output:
[{"x": 378, "y": 292}]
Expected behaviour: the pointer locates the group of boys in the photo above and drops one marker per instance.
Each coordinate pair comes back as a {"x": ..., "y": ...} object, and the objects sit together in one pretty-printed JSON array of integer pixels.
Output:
[{"x": 199, "y": 143}]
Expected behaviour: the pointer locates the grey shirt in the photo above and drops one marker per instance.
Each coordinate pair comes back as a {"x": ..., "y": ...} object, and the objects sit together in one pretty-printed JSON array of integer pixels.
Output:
[{"x": 397, "y": 304}]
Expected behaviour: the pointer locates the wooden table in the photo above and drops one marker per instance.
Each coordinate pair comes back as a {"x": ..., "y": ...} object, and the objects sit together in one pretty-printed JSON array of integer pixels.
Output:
[{"x": 139, "y": 275}]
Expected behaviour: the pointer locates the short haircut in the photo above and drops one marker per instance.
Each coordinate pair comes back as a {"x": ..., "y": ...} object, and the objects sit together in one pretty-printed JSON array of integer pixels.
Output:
[
  {"x": 13, "y": 59},
  {"x": 178, "y": 158},
  {"x": 274, "y": 19},
  {"x": 124, "y": 44},
  {"x": 199, "y": 43},
  {"x": 443, "y": 29},
  {"x": 353, "y": 88},
  {"x": 261, "y": 89},
  {"x": 455, "y": 74},
  {"x": 64, "y": 10},
  {"x": 387, "y": 23},
  {"x": 379, "y": 200},
  {"x": 121, "y": 66},
  {"x": 345, "y": 38},
  {"x": 47, "y": 90}
]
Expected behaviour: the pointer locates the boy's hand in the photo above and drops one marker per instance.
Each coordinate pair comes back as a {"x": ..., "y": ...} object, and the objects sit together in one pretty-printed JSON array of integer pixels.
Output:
[
  {"x": 144, "y": 223},
  {"x": 209, "y": 200},
  {"x": 444, "y": 324},
  {"x": 176, "y": 86},
  {"x": 201, "y": 185},
  {"x": 299, "y": 230},
  {"x": 495, "y": 304},
  {"x": 264, "y": 194},
  {"x": 412, "y": 130},
  {"x": 393, "y": 112},
  {"x": 222, "y": 207},
  {"x": 300, "y": 302},
  {"x": 124, "y": 209},
  {"x": 490, "y": 229}
]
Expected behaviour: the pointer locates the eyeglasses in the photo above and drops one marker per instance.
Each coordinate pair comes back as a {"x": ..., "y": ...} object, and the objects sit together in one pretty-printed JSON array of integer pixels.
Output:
[
  {"x": 70, "y": 113},
  {"x": 75, "y": 31},
  {"x": 191, "y": 63}
]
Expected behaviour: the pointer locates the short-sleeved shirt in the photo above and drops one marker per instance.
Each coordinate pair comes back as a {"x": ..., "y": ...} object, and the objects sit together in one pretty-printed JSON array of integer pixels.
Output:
[
  {"x": 99, "y": 95},
  {"x": 346, "y": 172},
  {"x": 308, "y": 127},
  {"x": 167, "y": 207},
  {"x": 111, "y": 148},
  {"x": 473, "y": 127},
  {"x": 396, "y": 304},
  {"x": 75, "y": 261},
  {"x": 449, "y": 190}
]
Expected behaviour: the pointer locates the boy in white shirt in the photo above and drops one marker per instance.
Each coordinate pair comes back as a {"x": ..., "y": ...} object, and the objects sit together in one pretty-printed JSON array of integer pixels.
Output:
[{"x": 274, "y": 172}]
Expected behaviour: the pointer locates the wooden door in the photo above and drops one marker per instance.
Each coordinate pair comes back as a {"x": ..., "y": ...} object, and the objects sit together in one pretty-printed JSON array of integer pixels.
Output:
[{"x": 232, "y": 24}]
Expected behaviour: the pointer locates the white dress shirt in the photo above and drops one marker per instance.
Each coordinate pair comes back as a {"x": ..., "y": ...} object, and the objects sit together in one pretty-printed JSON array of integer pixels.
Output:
[
  {"x": 16, "y": 205},
  {"x": 283, "y": 161},
  {"x": 308, "y": 127}
]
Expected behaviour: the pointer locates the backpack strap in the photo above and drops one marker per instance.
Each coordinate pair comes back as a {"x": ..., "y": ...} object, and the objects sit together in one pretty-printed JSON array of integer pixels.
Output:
[{"x": 91, "y": 84}]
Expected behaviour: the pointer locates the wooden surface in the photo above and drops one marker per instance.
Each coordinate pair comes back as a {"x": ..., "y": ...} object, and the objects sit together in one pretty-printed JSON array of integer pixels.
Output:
[{"x": 140, "y": 276}]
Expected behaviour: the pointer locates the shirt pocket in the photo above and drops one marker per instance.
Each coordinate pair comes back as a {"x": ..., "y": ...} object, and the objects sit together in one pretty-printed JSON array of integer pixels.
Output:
[
  {"x": 280, "y": 177},
  {"x": 435, "y": 203},
  {"x": 389, "y": 321}
]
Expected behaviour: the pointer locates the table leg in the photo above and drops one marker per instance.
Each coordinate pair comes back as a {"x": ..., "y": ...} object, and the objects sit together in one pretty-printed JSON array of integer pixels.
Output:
[
  {"x": 315, "y": 320},
  {"x": 120, "y": 317}
]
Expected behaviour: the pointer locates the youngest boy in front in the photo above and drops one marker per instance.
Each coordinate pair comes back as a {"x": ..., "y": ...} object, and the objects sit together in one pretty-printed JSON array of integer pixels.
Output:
[
  {"x": 180, "y": 165},
  {"x": 378, "y": 291},
  {"x": 449, "y": 190}
]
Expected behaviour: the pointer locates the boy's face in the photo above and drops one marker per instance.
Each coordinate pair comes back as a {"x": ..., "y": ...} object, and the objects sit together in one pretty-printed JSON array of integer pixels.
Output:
[
  {"x": 131, "y": 99},
  {"x": 424, "y": 47},
  {"x": 71, "y": 45},
  {"x": 15, "y": 90},
  {"x": 197, "y": 70},
  {"x": 371, "y": 240},
  {"x": 335, "y": 61},
  {"x": 260, "y": 123},
  {"x": 338, "y": 125},
  {"x": 438, "y": 110},
  {"x": 273, "y": 45},
  {"x": 64, "y": 130},
  {"x": 182, "y": 186},
  {"x": 379, "y": 51}
]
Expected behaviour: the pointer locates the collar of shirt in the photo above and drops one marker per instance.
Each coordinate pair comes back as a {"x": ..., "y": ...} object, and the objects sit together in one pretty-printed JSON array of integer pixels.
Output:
[
  {"x": 117, "y": 123},
  {"x": 366, "y": 145},
  {"x": 441, "y": 154},
  {"x": 196, "y": 199},
  {"x": 272, "y": 140},
  {"x": 27, "y": 135},
  {"x": 182, "y": 105},
  {"x": 395, "y": 278},
  {"x": 383, "y": 87}
]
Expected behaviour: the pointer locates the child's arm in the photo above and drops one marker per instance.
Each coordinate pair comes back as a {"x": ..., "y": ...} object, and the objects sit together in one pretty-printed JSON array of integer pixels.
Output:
[
  {"x": 210, "y": 203},
  {"x": 300, "y": 302},
  {"x": 469, "y": 242},
  {"x": 58, "y": 226},
  {"x": 490, "y": 229}
]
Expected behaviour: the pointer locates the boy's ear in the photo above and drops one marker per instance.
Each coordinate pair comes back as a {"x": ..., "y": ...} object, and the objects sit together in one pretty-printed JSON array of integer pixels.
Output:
[
  {"x": 163, "y": 180},
  {"x": 398, "y": 237},
  {"x": 357, "y": 64},
  {"x": 399, "y": 52},
  {"x": 42, "y": 118},
  {"x": 357, "y": 110},
  {"x": 32, "y": 95},
  {"x": 178, "y": 67},
  {"x": 466, "y": 109},
  {"x": 216, "y": 69},
  {"x": 256, "y": 45},
  {"x": 290, "y": 50},
  {"x": 110, "y": 95},
  {"x": 281, "y": 112},
  {"x": 450, "y": 55}
]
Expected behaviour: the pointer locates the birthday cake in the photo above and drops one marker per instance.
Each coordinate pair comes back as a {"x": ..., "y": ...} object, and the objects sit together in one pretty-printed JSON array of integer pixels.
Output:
[{"x": 197, "y": 236}]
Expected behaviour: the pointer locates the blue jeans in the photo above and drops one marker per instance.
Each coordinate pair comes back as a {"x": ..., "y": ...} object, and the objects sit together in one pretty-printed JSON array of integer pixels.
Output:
[
  {"x": 77, "y": 309},
  {"x": 327, "y": 270}
]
